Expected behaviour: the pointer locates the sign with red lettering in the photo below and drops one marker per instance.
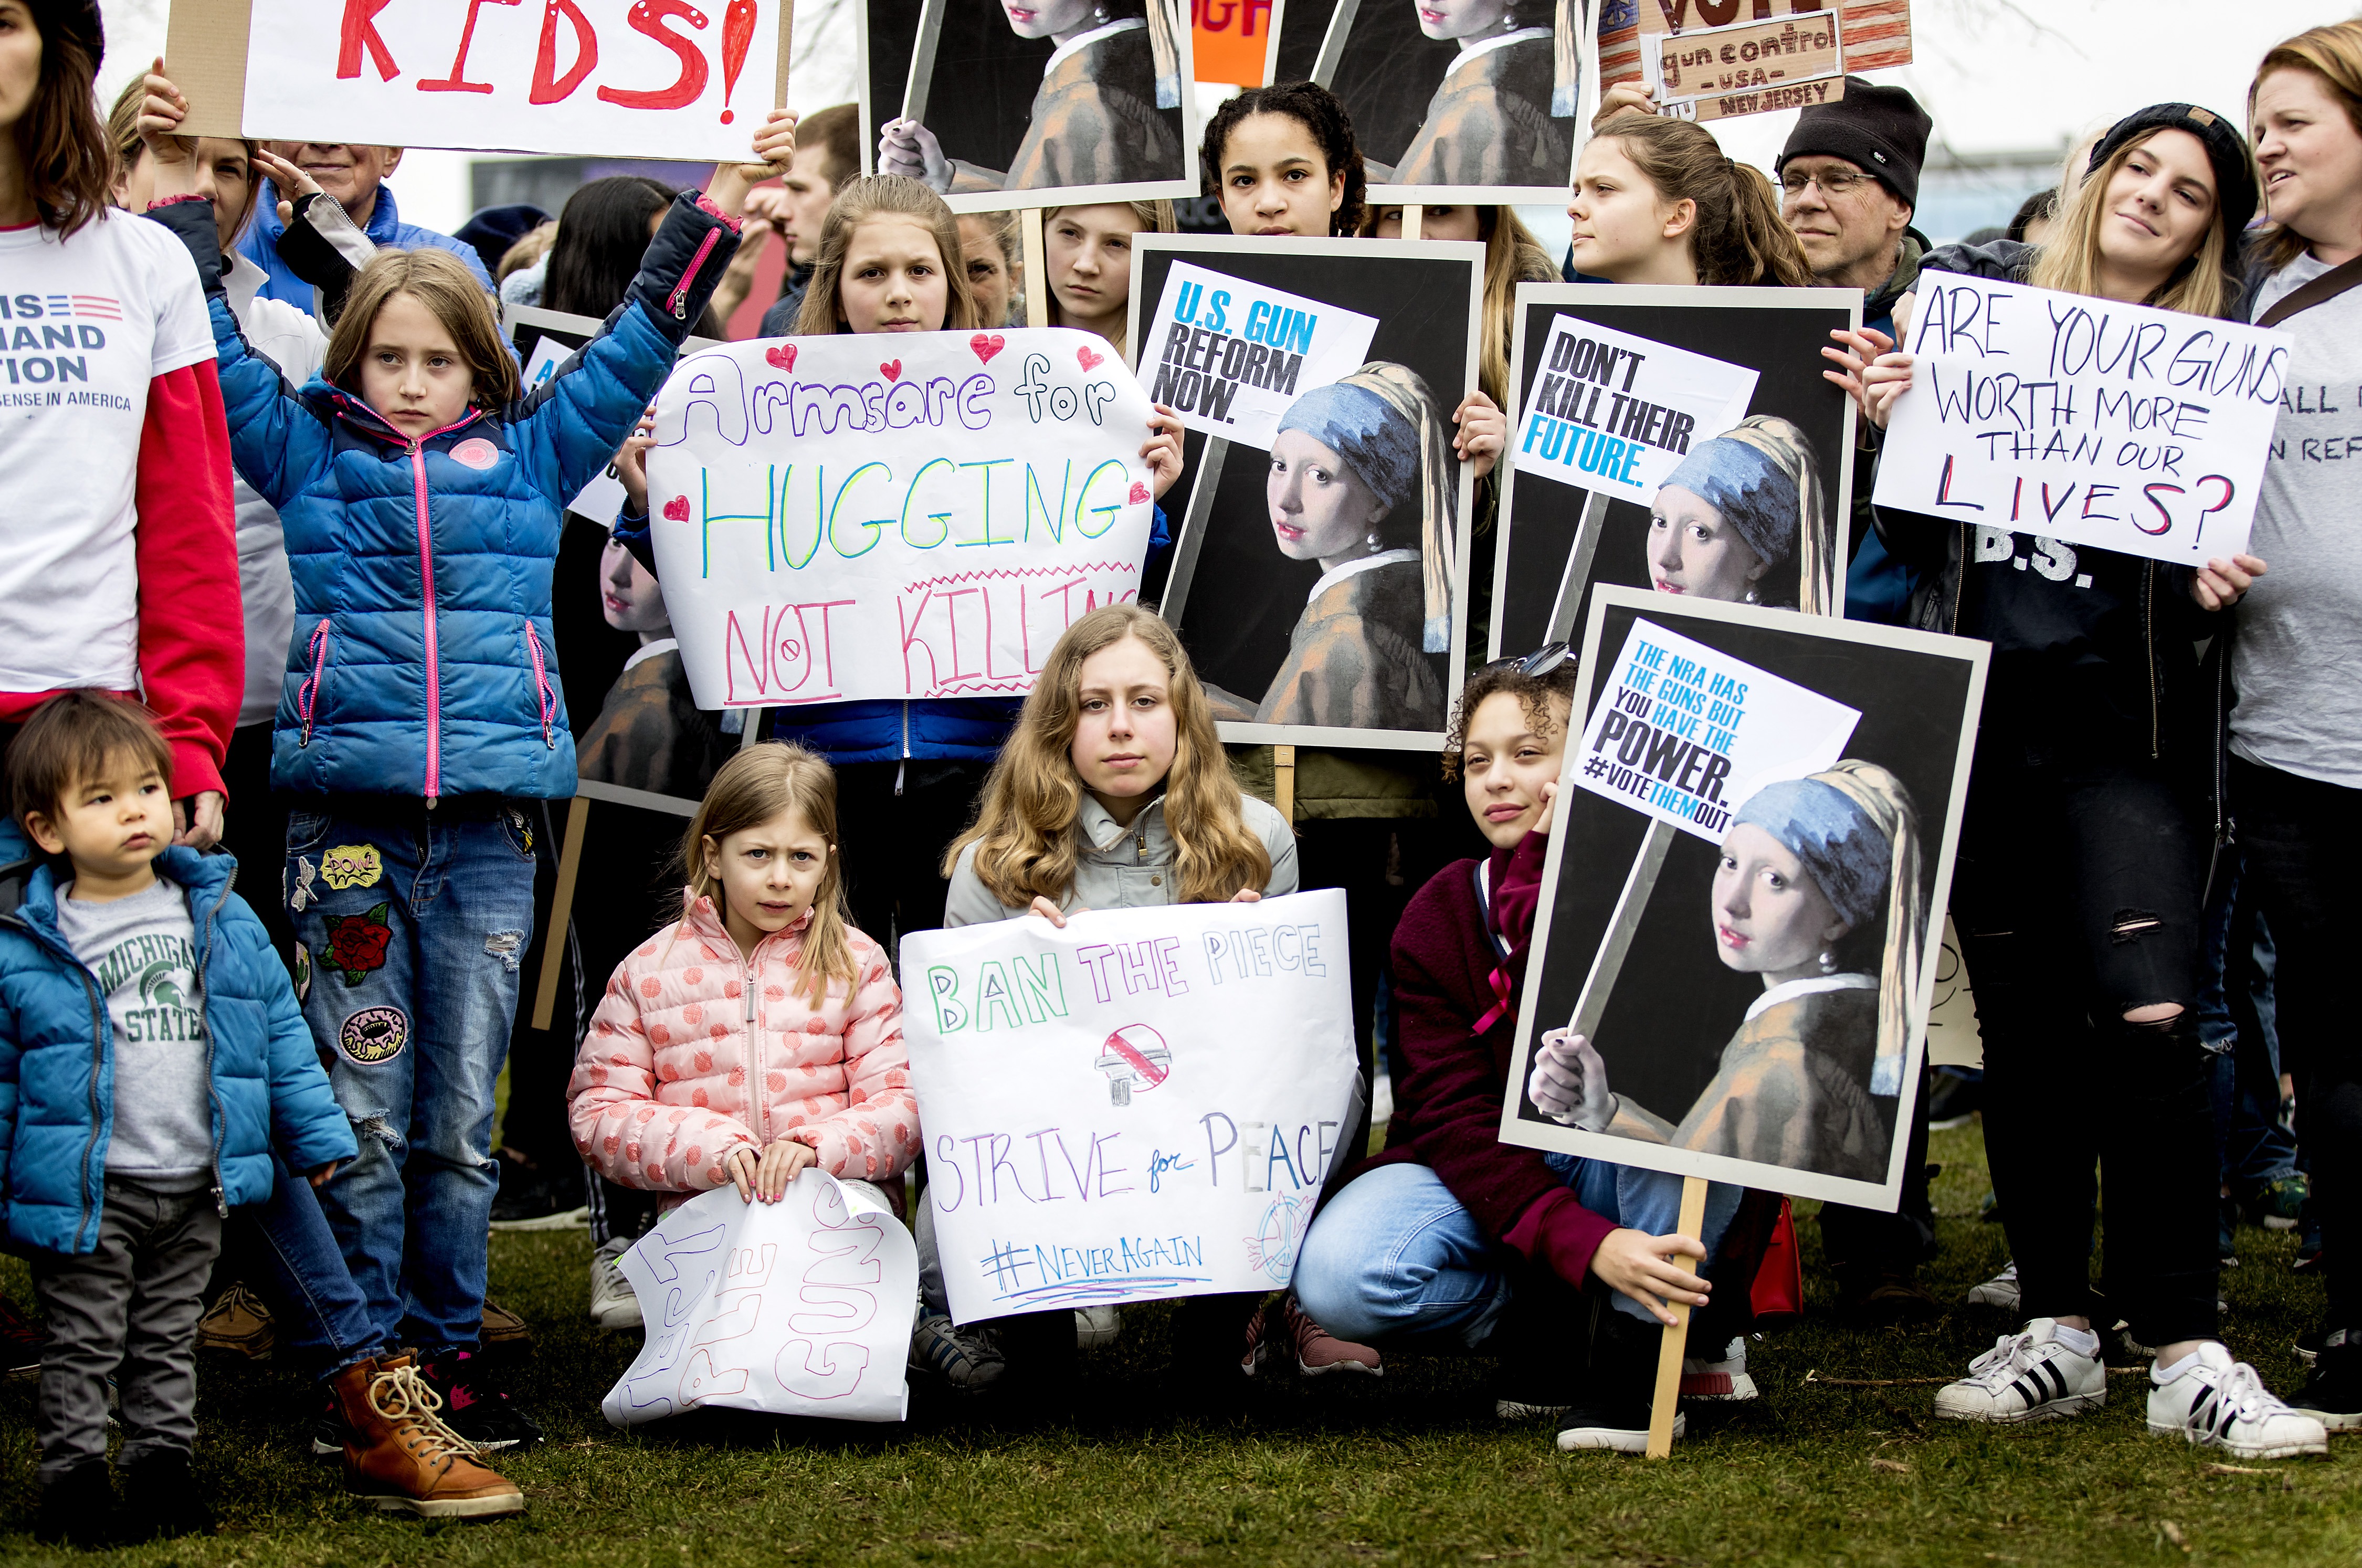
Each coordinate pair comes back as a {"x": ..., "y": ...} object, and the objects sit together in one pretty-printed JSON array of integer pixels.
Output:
[
  {"x": 1875, "y": 34},
  {"x": 681, "y": 79},
  {"x": 905, "y": 515}
]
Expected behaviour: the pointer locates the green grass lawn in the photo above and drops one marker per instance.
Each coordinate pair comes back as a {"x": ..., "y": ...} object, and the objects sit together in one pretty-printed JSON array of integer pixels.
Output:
[{"x": 1410, "y": 1469}]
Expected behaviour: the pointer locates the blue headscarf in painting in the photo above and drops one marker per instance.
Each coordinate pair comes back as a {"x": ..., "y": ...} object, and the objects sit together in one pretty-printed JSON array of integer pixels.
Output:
[
  {"x": 1749, "y": 487},
  {"x": 1377, "y": 443},
  {"x": 1844, "y": 852}
]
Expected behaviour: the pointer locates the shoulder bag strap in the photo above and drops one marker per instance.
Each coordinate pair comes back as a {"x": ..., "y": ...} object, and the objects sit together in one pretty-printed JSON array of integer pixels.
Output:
[{"x": 2321, "y": 291}]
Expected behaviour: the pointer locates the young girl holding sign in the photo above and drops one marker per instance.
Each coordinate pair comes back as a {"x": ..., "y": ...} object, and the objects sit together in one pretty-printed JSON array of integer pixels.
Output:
[
  {"x": 761, "y": 1033},
  {"x": 889, "y": 259},
  {"x": 1452, "y": 1237},
  {"x": 2077, "y": 883},
  {"x": 421, "y": 719},
  {"x": 1114, "y": 793}
]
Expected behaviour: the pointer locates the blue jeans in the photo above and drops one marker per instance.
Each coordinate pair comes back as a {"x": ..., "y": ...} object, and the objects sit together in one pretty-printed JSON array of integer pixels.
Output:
[
  {"x": 413, "y": 927},
  {"x": 1395, "y": 1257},
  {"x": 327, "y": 1320}
]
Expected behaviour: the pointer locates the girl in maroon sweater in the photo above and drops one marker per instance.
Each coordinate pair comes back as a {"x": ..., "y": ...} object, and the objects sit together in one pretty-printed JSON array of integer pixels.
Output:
[{"x": 1450, "y": 1238}]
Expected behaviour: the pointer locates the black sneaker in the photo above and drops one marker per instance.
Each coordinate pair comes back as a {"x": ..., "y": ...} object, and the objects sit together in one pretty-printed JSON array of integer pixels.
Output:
[
  {"x": 1612, "y": 1403},
  {"x": 476, "y": 1406},
  {"x": 2309, "y": 1346},
  {"x": 533, "y": 1199},
  {"x": 78, "y": 1508},
  {"x": 1956, "y": 1095},
  {"x": 2333, "y": 1395},
  {"x": 161, "y": 1494},
  {"x": 20, "y": 1342}
]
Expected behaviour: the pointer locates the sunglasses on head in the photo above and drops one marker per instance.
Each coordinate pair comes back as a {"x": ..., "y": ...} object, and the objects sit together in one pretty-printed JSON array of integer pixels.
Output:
[{"x": 1538, "y": 663}]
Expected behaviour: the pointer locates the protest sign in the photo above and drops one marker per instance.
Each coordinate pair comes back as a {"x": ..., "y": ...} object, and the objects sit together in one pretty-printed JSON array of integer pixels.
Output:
[
  {"x": 618, "y": 78},
  {"x": 916, "y": 515},
  {"x": 1320, "y": 569},
  {"x": 1740, "y": 454},
  {"x": 1142, "y": 1105},
  {"x": 546, "y": 339},
  {"x": 1874, "y": 35},
  {"x": 1658, "y": 400},
  {"x": 1064, "y": 101},
  {"x": 2084, "y": 420},
  {"x": 1744, "y": 1030},
  {"x": 1451, "y": 102},
  {"x": 798, "y": 1307},
  {"x": 1687, "y": 733},
  {"x": 1234, "y": 40},
  {"x": 1754, "y": 67},
  {"x": 1231, "y": 356}
]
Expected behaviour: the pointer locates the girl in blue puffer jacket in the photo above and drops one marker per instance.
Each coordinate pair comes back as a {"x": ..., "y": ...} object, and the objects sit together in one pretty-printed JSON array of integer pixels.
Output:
[{"x": 420, "y": 722}]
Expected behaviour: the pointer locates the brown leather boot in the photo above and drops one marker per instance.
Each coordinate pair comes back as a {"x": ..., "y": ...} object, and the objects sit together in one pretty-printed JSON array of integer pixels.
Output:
[{"x": 400, "y": 1455}]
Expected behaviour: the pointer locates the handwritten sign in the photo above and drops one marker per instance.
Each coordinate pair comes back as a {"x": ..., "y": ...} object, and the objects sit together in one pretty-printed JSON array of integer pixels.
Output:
[
  {"x": 1686, "y": 733},
  {"x": 1616, "y": 413},
  {"x": 1746, "y": 70},
  {"x": 2080, "y": 419},
  {"x": 799, "y": 1307},
  {"x": 1230, "y": 356},
  {"x": 543, "y": 341},
  {"x": 686, "y": 79},
  {"x": 1141, "y": 1106},
  {"x": 906, "y": 515}
]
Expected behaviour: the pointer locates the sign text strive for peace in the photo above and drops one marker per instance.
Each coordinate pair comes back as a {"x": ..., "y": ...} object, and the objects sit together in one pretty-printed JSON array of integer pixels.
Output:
[
  {"x": 1686, "y": 733},
  {"x": 2081, "y": 419},
  {"x": 834, "y": 524},
  {"x": 1142, "y": 1105}
]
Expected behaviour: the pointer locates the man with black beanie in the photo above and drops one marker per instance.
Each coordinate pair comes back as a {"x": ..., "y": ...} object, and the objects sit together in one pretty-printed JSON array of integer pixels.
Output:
[{"x": 1849, "y": 179}]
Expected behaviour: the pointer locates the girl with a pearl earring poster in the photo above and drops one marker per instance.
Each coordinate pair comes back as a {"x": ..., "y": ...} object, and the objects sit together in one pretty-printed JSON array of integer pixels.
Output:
[{"x": 1453, "y": 100}]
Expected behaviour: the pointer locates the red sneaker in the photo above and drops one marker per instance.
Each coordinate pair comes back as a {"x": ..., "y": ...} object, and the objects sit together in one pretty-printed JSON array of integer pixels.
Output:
[{"x": 1282, "y": 1329}]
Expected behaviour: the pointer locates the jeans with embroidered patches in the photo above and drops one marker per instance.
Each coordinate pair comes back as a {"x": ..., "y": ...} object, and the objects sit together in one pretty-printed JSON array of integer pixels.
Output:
[{"x": 413, "y": 924}]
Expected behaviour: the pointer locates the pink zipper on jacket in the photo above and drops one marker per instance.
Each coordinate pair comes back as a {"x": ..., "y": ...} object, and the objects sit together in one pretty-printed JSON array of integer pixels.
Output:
[
  {"x": 426, "y": 584},
  {"x": 307, "y": 696},
  {"x": 679, "y": 303},
  {"x": 546, "y": 698}
]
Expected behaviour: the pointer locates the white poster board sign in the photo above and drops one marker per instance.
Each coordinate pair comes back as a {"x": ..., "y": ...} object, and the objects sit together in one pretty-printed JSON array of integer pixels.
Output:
[
  {"x": 798, "y": 1307},
  {"x": 1231, "y": 356},
  {"x": 2081, "y": 419},
  {"x": 1688, "y": 733},
  {"x": 1616, "y": 414},
  {"x": 603, "y": 78},
  {"x": 1141, "y": 1106},
  {"x": 896, "y": 515}
]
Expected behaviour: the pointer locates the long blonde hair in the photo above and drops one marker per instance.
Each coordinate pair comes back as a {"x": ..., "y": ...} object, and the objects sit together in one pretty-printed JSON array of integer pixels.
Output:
[
  {"x": 1026, "y": 843},
  {"x": 1739, "y": 235},
  {"x": 883, "y": 196},
  {"x": 760, "y": 783},
  {"x": 2332, "y": 51},
  {"x": 1153, "y": 217},
  {"x": 2068, "y": 260}
]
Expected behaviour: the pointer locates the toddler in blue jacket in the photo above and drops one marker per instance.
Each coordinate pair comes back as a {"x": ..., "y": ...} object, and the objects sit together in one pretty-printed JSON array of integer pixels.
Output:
[{"x": 152, "y": 1057}]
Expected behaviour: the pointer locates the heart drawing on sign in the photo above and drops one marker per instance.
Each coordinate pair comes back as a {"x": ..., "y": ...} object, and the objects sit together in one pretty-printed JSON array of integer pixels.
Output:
[
  {"x": 988, "y": 344},
  {"x": 1091, "y": 361},
  {"x": 782, "y": 358},
  {"x": 1138, "y": 496},
  {"x": 891, "y": 369},
  {"x": 677, "y": 509}
]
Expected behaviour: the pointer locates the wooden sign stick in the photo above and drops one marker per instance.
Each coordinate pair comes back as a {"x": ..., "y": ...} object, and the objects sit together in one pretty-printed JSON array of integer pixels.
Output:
[
  {"x": 1282, "y": 780},
  {"x": 1413, "y": 215},
  {"x": 1676, "y": 1340},
  {"x": 561, "y": 907},
  {"x": 1037, "y": 269}
]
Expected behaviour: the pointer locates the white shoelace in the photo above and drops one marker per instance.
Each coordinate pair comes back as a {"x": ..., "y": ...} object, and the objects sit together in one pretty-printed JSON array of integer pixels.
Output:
[
  {"x": 2242, "y": 1390},
  {"x": 1999, "y": 1364}
]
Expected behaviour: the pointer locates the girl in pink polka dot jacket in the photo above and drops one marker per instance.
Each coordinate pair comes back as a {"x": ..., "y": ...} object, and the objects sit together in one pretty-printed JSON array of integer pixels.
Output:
[{"x": 761, "y": 1032}]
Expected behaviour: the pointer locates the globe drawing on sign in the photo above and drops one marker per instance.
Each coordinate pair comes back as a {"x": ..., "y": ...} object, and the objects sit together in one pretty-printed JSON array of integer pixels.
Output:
[{"x": 1134, "y": 1058}]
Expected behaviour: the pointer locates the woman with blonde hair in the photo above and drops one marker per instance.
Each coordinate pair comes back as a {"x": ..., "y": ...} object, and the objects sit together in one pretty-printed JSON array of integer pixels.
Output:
[
  {"x": 1113, "y": 792},
  {"x": 2296, "y": 742},
  {"x": 1087, "y": 252},
  {"x": 2096, "y": 744}
]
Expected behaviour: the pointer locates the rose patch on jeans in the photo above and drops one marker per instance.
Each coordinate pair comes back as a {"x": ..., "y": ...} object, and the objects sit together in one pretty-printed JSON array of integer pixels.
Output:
[
  {"x": 374, "y": 1034},
  {"x": 357, "y": 944},
  {"x": 352, "y": 866}
]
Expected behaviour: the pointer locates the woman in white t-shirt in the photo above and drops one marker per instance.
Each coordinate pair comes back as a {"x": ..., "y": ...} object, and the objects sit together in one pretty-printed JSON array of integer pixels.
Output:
[{"x": 118, "y": 567}]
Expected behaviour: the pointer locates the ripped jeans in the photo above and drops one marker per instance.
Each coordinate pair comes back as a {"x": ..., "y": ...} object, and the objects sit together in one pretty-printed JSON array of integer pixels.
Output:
[
  {"x": 411, "y": 926},
  {"x": 2077, "y": 898}
]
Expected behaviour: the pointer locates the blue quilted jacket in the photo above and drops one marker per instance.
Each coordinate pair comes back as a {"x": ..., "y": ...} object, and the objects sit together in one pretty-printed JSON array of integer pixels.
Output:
[
  {"x": 422, "y": 663},
  {"x": 57, "y": 1058}
]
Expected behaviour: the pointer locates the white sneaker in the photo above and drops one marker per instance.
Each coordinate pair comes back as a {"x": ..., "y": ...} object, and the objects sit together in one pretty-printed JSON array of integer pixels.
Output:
[
  {"x": 2220, "y": 1403},
  {"x": 1097, "y": 1326},
  {"x": 2028, "y": 1377},
  {"x": 613, "y": 1305},
  {"x": 2000, "y": 1291},
  {"x": 1618, "y": 1432},
  {"x": 1704, "y": 1378}
]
